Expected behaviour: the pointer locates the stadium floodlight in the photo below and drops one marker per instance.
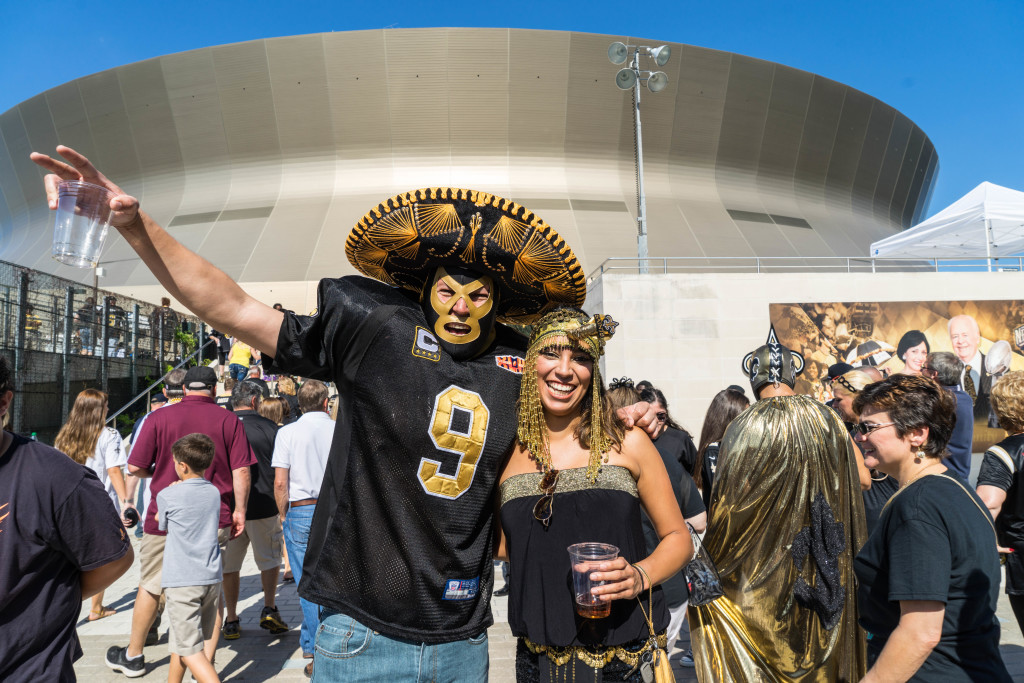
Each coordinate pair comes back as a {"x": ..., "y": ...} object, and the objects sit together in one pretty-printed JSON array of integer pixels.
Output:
[
  {"x": 661, "y": 54},
  {"x": 625, "y": 79},
  {"x": 618, "y": 52},
  {"x": 657, "y": 81},
  {"x": 630, "y": 77}
]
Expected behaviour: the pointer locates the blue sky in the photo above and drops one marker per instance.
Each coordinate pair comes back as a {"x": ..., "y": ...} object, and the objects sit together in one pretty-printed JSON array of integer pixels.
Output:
[{"x": 954, "y": 68}]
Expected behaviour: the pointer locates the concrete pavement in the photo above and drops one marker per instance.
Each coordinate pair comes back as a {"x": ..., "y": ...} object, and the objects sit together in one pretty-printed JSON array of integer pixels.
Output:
[{"x": 259, "y": 656}]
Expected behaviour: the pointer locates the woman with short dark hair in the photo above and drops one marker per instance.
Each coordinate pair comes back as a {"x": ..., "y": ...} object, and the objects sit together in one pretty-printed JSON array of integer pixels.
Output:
[
  {"x": 913, "y": 350},
  {"x": 929, "y": 574}
]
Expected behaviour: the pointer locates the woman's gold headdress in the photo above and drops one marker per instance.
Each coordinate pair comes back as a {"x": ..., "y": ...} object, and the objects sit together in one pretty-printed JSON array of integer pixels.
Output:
[{"x": 565, "y": 327}]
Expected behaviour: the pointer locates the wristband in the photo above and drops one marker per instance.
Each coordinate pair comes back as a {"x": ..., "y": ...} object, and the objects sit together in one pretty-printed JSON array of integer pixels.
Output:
[{"x": 643, "y": 575}]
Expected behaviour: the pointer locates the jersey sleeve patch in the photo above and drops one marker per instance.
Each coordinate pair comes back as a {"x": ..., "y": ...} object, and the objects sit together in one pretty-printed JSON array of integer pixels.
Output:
[
  {"x": 461, "y": 589},
  {"x": 426, "y": 345},
  {"x": 513, "y": 364}
]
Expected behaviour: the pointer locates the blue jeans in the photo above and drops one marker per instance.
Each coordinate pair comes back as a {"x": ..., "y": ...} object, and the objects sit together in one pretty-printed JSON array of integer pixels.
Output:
[
  {"x": 238, "y": 373},
  {"x": 296, "y": 536},
  {"x": 349, "y": 651}
]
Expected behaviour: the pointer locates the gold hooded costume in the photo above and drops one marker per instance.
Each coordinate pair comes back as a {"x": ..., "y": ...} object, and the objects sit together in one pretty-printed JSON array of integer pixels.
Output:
[{"x": 786, "y": 520}]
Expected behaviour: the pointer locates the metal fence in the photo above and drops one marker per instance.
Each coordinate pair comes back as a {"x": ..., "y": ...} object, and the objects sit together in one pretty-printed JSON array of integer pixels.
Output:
[
  {"x": 793, "y": 264},
  {"x": 62, "y": 337}
]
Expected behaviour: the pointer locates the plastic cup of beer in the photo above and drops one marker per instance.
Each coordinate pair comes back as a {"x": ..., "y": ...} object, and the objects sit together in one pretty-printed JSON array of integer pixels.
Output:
[
  {"x": 586, "y": 558},
  {"x": 81, "y": 223}
]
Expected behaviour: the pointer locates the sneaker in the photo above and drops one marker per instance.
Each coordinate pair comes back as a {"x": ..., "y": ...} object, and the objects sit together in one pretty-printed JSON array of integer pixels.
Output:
[
  {"x": 271, "y": 620},
  {"x": 501, "y": 592},
  {"x": 117, "y": 659},
  {"x": 686, "y": 659},
  {"x": 233, "y": 630}
]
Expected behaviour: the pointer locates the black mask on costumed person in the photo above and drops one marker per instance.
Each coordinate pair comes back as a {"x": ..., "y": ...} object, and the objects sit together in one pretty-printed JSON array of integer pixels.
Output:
[{"x": 462, "y": 336}]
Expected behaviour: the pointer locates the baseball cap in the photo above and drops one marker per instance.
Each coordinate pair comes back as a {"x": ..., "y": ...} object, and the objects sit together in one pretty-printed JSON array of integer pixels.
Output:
[
  {"x": 263, "y": 386},
  {"x": 837, "y": 370},
  {"x": 200, "y": 378},
  {"x": 158, "y": 398}
]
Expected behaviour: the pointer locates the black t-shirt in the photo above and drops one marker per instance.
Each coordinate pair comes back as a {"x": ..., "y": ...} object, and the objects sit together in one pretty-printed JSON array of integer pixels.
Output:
[
  {"x": 690, "y": 504},
  {"x": 876, "y": 497},
  {"x": 677, "y": 444},
  {"x": 935, "y": 541},
  {"x": 1001, "y": 468},
  {"x": 56, "y": 521},
  {"x": 401, "y": 537},
  {"x": 261, "y": 434}
]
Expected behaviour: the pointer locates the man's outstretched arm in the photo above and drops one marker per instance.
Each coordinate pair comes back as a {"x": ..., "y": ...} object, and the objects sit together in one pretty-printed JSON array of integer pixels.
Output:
[{"x": 203, "y": 288}]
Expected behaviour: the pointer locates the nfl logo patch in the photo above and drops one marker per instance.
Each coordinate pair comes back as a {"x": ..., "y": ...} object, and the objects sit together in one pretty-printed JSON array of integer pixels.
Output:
[{"x": 513, "y": 364}]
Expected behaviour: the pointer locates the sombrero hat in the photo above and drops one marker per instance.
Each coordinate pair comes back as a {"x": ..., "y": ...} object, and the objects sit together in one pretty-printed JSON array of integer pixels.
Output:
[{"x": 406, "y": 237}]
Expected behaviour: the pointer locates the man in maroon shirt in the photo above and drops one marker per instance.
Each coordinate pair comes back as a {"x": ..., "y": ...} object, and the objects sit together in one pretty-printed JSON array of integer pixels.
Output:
[{"x": 151, "y": 457}]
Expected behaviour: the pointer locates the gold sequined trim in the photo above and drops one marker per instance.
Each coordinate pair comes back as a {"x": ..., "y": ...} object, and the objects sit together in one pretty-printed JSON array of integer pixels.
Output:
[
  {"x": 595, "y": 658},
  {"x": 611, "y": 477}
]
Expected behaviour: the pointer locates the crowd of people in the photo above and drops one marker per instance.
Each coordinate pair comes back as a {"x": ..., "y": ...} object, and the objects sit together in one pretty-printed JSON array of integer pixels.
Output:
[{"x": 457, "y": 441}]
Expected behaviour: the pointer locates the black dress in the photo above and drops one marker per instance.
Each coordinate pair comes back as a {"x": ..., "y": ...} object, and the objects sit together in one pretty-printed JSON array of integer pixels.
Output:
[{"x": 541, "y": 601}]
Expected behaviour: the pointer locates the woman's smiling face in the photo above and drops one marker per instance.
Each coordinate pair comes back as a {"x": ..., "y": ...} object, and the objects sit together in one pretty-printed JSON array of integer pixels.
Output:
[
  {"x": 915, "y": 357},
  {"x": 563, "y": 378}
]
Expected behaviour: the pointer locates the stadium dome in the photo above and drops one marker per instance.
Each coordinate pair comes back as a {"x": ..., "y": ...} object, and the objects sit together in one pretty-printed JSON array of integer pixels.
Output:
[{"x": 262, "y": 155}]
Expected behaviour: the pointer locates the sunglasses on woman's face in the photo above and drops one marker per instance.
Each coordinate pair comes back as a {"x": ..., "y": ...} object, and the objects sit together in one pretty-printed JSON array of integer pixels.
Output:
[
  {"x": 662, "y": 417},
  {"x": 545, "y": 506},
  {"x": 865, "y": 428}
]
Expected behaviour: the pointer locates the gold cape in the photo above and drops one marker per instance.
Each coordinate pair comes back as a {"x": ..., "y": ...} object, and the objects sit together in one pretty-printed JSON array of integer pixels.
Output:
[{"x": 774, "y": 461}]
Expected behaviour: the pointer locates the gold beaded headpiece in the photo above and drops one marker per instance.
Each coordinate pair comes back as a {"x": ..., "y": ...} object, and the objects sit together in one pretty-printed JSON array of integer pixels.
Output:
[{"x": 565, "y": 327}]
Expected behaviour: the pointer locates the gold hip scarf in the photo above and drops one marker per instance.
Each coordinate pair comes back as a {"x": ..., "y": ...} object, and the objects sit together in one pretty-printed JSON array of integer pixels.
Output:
[
  {"x": 594, "y": 658},
  {"x": 785, "y": 522}
]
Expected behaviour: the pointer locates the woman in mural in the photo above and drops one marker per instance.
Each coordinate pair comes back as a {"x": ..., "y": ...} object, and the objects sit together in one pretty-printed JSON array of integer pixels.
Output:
[{"x": 913, "y": 349}]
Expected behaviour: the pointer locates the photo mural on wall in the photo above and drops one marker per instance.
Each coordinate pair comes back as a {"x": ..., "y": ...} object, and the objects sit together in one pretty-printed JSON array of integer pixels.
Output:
[{"x": 986, "y": 335}]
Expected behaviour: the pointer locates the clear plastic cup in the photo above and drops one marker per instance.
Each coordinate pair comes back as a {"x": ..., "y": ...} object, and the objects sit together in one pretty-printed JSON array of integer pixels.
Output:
[
  {"x": 585, "y": 559},
  {"x": 81, "y": 223}
]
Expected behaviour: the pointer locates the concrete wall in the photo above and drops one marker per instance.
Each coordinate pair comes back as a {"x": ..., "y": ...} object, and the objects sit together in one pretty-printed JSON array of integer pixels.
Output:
[{"x": 688, "y": 333}]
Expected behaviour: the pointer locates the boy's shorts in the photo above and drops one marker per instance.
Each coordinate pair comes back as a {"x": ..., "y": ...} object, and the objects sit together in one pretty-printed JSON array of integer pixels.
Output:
[{"x": 192, "y": 611}]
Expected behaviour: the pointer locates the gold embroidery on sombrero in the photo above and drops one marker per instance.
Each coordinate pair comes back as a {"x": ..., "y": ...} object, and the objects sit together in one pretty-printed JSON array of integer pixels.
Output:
[
  {"x": 396, "y": 233},
  {"x": 509, "y": 233},
  {"x": 469, "y": 253},
  {"x": 437, "y": 219},
  {"x": 537, "y": 262},
  {"x": 371, "y": 262}
]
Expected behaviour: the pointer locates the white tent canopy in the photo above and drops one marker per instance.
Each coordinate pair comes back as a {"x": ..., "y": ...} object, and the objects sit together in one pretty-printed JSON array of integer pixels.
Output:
[{"x": 987, "y": 222}]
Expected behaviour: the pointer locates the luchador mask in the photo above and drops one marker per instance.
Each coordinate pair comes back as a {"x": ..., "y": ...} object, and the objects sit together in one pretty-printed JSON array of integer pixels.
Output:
[{"x": 462, "y": 336}]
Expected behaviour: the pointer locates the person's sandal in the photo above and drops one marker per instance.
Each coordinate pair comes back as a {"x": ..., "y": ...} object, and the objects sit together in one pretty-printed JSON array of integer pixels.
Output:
[
  {"x": 101, "y": 613},
  {"x": 232, "y": 629}
]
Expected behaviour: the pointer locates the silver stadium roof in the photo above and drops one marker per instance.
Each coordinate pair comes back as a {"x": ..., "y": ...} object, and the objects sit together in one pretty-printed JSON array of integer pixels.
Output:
[{"x": 262, "y": 155}]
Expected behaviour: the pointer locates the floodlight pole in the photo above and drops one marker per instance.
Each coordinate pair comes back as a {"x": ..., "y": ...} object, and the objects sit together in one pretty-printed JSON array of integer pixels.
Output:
[{"x": 641, "y": 212}]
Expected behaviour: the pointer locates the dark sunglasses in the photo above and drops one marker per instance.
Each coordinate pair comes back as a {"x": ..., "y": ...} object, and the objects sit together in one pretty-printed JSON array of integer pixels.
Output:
[
  {"x": 544, "y": 507},
  {"x": 866, "y": 428},
  {"x": 662, "y": 417}
]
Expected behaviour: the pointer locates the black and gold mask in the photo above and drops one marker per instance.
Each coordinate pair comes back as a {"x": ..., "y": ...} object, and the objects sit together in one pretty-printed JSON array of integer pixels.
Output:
[{"x": 477, "y": 323}]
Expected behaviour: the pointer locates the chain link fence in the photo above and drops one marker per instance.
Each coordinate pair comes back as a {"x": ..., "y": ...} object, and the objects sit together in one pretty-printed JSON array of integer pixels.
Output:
[{"x": 62, "y": 337}]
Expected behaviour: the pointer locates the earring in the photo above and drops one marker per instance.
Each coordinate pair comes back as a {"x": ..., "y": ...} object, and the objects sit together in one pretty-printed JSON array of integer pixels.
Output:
[{"x": 920, "y": 455}]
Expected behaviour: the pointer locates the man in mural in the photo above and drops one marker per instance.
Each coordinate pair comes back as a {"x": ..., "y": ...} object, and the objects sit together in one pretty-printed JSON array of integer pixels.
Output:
[
  {"x": 785, "y": 523},
  {"x": 965, "y": 336}
]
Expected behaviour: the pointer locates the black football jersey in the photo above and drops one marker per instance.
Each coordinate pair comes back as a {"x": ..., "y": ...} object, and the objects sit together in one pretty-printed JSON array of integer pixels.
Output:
[
  {"x": 1002, "y": 467},
  {"x": 401, "y": 538}
]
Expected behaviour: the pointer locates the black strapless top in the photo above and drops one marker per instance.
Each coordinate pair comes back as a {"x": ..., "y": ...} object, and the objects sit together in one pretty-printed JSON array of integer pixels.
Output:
[{"x": 541, "y": 601}]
